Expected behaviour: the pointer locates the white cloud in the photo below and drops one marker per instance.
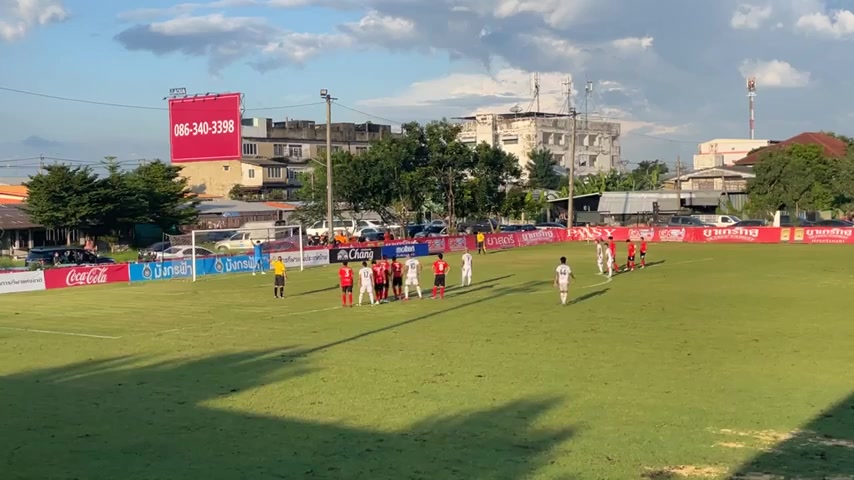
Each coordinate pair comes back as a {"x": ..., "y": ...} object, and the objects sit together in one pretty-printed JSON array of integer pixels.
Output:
[
  {"x": 633, "y": 44},
  {"x": 837, "y": 24},
  {"x": 18, "y": 17},
  {"x": 774, "y": 73},
  {"x": 750, "y": 17}
]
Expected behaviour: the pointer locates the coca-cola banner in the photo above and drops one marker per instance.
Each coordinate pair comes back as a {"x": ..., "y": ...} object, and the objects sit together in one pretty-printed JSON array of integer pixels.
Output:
[{"x": 82, "y": 276}]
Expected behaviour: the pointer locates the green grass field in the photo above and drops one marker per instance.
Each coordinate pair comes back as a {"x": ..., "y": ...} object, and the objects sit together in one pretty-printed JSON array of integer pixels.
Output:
[{"x": 718, "y": 362}]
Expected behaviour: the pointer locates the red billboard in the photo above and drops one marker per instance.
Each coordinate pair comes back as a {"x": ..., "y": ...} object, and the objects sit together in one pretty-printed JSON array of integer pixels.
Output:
[
  {"x": 205, "y": 128},
  {"x": 82, "y": 276}
]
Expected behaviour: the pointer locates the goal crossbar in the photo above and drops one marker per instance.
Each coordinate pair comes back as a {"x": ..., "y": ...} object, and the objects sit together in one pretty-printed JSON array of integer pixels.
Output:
[{"x": 230, "y": 242}]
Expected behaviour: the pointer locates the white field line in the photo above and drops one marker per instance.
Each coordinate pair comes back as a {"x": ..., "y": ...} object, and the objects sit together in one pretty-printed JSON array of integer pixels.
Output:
[{"x": 54, "y": 332}]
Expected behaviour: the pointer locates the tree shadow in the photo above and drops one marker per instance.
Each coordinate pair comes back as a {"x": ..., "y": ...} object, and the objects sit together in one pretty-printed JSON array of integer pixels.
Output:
[
  {"x": 312, "y": 292},
  {"x": 133, "y": 419},
  {"x": 657, "y": 262},
  {"x": 823, "y": 448},
  {"x": 589, "y": 296}
]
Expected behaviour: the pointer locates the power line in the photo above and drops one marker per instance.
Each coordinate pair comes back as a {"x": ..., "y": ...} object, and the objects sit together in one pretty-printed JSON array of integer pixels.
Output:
[{"x": 136, "y": 107}]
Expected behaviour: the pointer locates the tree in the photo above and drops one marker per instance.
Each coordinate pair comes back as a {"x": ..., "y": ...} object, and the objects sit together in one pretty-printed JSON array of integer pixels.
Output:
[
  {"x": 493, "y": 175},
  {"x": 797, "y": 178},
  {"x": 120, "y": 205},
  {"x": 64, "y": 197},
  {"x": 164, "y": 195},
  {"x": 448, "y": 162},
  {"x": 541, "y": 170},
  {"x": 648, "y": 174}
]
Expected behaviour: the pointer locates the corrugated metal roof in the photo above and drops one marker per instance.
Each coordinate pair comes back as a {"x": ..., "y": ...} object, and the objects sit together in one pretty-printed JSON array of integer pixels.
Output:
[
  {"x": 13, "y": 218},
  {"x": 629, "y": 203}
]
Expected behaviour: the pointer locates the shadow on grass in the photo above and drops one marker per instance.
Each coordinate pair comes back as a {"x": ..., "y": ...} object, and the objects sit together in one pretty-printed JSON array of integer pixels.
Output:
[
  {"x": 824, "y": 448},
  {"x": 129, "y": 419},
  {"x": 658, "y": 262},
  {"x": 589, "y": 296},
  {"x": 312, "y": 292}
]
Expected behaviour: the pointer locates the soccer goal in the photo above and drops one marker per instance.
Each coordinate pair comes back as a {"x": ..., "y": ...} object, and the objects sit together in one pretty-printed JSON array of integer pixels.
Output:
[{"x": 236, "y": 250}]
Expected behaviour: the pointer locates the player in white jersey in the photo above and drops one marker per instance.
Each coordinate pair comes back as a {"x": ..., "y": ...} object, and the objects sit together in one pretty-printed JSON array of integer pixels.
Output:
[
  {"x": 610, "y": 258},
  {"x": 563, "y": 274},
  {"x": 600, "y": 256},
  {"x": 467, "y": 259},
  {"x": 366, "y": 283},
  {"x": 413, "y": 271}
]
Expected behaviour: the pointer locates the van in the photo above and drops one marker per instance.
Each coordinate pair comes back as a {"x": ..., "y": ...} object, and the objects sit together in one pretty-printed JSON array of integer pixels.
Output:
[
  {"x": 718, "y": 220},
  {"x": 347, "y": 227}
]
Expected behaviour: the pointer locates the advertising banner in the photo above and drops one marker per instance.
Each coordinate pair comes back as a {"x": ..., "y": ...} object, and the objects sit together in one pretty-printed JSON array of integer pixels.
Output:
[
  {"x": 459, "y": 243},
  {"x": 435, "y": 244},
  {"x": 21, "y": 282},
  {"x": 311, "y": 258},
  {"x": 736, "y": 235},
  {"x": 205, "y": 127},
  {"x": 813, "y": 235},
  {"x": 405, "y": 250},
  {"x": 141, "y": 272},
  {"x": 341, "y": 255},
  {"x": 540, "y": 237},
  {"x": 675, "y": 235},
  {"x": 588, "y": 234},
  {"x": 500, "y": 241},
  {"x": 217, "y": 265},
  {"x": 82, "y": 276}
]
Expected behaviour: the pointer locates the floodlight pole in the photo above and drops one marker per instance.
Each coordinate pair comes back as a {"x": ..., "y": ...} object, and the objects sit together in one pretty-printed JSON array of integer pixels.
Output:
[
  {"x": 324, "y": 93},
  {"x": 571, "y": 174}
]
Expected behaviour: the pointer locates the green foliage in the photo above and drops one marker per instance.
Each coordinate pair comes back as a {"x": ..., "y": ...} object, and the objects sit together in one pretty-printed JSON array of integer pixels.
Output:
[
  {"x": 404, "y": 177},
  {"x": 77, "y": 198},
  {"x": 541, "y": 170},
  {"x": 801, "y": 178},
  {"x": 648, "y": 175}
]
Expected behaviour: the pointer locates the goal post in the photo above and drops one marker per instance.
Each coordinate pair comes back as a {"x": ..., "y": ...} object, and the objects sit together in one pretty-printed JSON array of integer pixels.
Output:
[{"x": 233, "y": 250}]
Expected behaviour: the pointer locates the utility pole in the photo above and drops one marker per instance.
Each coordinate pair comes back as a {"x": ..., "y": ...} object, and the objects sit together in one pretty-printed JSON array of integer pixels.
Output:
[
  {"x": 678, "y": 184},
  {"x": 571, "y": 176},
  {"x": 324, "y": 93}
]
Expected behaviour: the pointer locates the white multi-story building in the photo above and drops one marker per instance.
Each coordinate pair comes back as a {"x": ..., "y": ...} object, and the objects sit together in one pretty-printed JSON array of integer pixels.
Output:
[
  {"x": 723, "y": 152},
  {"x": 597, "y": 147}
]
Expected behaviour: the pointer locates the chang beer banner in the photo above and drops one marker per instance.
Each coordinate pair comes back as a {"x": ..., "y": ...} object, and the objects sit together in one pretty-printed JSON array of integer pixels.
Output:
[
  {"x": 218, "y": 265},
  {"x": 142, "y": 272}
]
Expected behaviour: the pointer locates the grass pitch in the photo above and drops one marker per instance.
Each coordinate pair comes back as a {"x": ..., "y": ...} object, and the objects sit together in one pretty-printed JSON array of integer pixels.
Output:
[{"x": 720, "y": 361}]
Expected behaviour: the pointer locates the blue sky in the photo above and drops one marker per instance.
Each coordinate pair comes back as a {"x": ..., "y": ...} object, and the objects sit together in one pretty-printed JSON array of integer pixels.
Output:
[{"x": 672, "y": 71}]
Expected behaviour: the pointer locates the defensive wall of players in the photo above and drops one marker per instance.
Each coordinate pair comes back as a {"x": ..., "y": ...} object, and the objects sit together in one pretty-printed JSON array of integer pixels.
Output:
[{"x": 54, "y": 278}]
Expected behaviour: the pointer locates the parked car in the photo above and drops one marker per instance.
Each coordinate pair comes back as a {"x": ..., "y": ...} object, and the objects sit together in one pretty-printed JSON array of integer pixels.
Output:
[
  {"x": 509, "y": 228},
  {"x": 477, "y": 226},
  {"x": 339, "y": 226},
  {"x": 433, "y": 231},
  {"x": 371, "y": 234},
  {"x": 414, "y": 229},
  {"x": 834, "y": 223},
  {"x": 65, "y": 255},
  {"x": 550, "y": 225},
  {"x": 750, "y": 223},
  {"x": 183, "y": 251},
  {"x": 683, "y": 221},
  {"x": 718, "y": 220}
]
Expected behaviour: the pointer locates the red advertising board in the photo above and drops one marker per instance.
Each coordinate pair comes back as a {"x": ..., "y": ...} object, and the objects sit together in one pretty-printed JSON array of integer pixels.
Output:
[
  {"x": 205, "y": 128},
  {"x": 500, "y": 241},
  {"x": 82, "y": 276},
  {"x": 822, "y": 235},
  {"x": 540, "y": 237},
  {"x": 737, "y": 235}
]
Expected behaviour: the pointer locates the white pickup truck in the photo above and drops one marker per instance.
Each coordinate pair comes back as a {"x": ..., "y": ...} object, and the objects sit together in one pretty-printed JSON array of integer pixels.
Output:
[{"x": 718, "y": 220}]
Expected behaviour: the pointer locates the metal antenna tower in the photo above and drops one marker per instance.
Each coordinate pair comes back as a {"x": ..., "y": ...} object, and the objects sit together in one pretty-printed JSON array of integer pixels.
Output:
[
  {"x": 535, "y": 90},
  {"x": 751, "y": 99},
  {"x": 588, "y": 90}
]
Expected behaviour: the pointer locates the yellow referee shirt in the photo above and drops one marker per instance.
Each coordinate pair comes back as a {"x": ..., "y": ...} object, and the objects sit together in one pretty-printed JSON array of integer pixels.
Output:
[
  {"x": 279, "y": 268},
  {"x": 480, "y": 237}
]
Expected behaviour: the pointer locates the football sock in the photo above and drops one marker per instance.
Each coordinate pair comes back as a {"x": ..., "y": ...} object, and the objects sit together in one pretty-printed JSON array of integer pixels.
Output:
[
  {"x": 442, "y": 292},
  {"x": 351, "y": 299},
  {"x": 563, "y": 298},
  {"x": 343, "y": 299},
  {"x": 419, "y": 292},
  {"x": 276, "y": 291},
  {"x": 406, "y": 292},
  {"x": 434, "y": 291}
]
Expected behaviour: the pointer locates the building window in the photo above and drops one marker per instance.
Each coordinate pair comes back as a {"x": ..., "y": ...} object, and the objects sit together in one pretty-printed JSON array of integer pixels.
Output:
[
  {"x": 336, "y": 148},
  {"x": 251, "y": 173},
  {"x": 558, "y": 158},
  {"x": 561, "y": 139},
  {"x": 547, "y": 138},
  {"x": 274, "y": 172},
  {"x": 291, "y": 174},
  {"x": 295, "y": 151},
  {"x": 279, "y": 150},
  {"x": 361, "y": 149},
  {"x": 226, "y": 168},
  {"x": 250, "y": 149},
  {"x": 511, "y": 141}
]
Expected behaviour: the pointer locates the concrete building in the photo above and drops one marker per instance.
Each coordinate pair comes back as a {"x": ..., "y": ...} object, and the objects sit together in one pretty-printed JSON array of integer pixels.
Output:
[
  {"x": 274, "y": 153},
  {"x": 597, "y": 147},
  {"x": 723, "y": 152},
  {"x": 721, "y": 179}
]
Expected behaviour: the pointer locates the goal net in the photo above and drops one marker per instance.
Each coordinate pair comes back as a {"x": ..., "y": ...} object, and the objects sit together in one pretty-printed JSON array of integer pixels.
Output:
[{"x": 241, "y": 250}]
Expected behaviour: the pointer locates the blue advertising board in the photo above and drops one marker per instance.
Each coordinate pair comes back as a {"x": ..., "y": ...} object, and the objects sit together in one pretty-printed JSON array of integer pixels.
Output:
[
  {"x": 140, "y": 272},
  {"x": 406, "y": 249}
]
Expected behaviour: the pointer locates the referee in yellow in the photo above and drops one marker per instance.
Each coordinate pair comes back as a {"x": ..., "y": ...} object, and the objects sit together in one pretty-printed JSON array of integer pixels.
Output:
[
  {"x": 481, "y": 243},
  {"x": 279, "y": 277}
]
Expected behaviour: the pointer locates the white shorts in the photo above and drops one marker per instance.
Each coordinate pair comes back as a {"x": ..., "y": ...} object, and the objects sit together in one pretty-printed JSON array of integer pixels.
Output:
[
  {"x": 366, "y": 289},
  {"x": 467, "y": 272},
  {"x": 563, "y": 286},
  {"x": 411, "y": 281}
]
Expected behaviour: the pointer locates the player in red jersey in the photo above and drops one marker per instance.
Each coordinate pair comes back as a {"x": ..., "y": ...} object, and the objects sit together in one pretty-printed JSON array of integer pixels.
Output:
[
  {"x": 397, "y": 278},
  {"x": 387, "y": 273},
  {"x": 643, "y": 252},
  {"x": 379, "y": 280},
  {"x": 612, "y": 246},
  {"x": 440, "y": 269},
  {"x": 345, "y": 278},
  {"x": 630, "y": 261}
]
